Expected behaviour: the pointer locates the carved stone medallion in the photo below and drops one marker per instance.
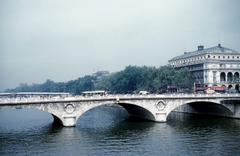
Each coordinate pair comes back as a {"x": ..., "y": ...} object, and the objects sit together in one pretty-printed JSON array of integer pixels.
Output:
[
  {"x": 160, "y": 105},
  {"x": 69, "y": 108}
]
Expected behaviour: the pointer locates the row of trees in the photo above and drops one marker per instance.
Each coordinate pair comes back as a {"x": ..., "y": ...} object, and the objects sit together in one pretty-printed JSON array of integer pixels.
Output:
[{"x": 131, "y": 79}]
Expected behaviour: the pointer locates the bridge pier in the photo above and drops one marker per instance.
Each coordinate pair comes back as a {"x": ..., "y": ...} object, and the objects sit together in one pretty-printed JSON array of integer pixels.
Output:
[
  {"x": 161, "y": 117},
  {"x": 69, "y": 121},
  {"x": 65, "y": 121}
]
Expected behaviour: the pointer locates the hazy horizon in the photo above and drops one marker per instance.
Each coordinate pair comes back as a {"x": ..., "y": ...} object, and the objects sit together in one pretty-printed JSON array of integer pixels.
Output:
[{"x": 63, "y": 40}]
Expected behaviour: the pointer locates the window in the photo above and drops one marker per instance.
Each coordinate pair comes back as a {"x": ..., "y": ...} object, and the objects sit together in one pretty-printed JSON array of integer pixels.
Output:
[
  {"x": 208, "y": 56},
  {"x": 219, "y": 57},
  {"x": 222, "y": 77},
  {"x": 222, "y": 65}
]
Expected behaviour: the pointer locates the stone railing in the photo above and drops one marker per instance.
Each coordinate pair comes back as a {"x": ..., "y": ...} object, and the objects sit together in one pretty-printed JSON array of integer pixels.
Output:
[{"x": 113, "y": 96}]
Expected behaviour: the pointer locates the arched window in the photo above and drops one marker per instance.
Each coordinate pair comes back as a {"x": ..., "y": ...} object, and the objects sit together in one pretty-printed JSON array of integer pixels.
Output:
[
  {"x": 236, "y": 77},
  {"x": 222, "y": 77},
  {"x": 229, "y": 77},
  {"x": 237, "y": 87}
]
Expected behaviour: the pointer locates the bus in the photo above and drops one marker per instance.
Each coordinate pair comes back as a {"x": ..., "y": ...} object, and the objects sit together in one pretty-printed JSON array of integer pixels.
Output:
[{"x": 96, "y": 92}]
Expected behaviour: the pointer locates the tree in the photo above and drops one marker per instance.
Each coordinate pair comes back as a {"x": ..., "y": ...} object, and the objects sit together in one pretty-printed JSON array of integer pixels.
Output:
[{"x": 131, "y": 79}]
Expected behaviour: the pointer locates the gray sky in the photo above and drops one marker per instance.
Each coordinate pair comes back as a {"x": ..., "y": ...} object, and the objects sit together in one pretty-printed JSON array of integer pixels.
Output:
[{"x": 65, "y": 39}]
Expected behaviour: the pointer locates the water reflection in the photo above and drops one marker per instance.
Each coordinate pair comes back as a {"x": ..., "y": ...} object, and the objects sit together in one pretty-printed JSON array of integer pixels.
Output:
[
  {"x": 107, "y": 131},
  {"x": 206, "y": 134}
]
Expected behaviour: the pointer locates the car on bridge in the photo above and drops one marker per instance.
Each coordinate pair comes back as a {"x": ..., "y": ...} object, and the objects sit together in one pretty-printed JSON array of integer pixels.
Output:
[{"x": 143, "y": 92}]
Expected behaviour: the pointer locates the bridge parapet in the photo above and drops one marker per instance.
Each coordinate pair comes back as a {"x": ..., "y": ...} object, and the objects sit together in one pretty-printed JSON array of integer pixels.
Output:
[{"x": 116, "y": 96}]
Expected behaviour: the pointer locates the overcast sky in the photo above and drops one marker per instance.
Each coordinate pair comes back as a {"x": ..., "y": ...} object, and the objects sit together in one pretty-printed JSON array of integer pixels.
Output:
[{"x": 65, "y": 39}]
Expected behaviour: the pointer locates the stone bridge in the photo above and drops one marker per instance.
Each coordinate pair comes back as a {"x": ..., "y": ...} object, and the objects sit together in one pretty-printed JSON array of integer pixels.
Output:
[{"x": 68, "y": 110}]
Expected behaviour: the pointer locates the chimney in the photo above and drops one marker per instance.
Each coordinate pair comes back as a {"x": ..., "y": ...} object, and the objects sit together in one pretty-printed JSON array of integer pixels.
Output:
[
  {"x": 219, "y": 45},
  {"x": 200, "y": 47}
]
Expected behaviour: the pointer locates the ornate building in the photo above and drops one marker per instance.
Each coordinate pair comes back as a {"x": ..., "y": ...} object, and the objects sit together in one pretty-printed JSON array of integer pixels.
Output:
[{"x": 215, "y": 66}]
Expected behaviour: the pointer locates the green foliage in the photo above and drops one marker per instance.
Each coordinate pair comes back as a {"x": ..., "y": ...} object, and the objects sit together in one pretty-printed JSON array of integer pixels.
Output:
[{"x": 131, "y": 79}]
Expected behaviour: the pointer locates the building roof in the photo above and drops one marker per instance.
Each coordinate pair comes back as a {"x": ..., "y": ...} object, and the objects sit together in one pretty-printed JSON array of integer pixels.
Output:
[{"x": 212, "y": 50}]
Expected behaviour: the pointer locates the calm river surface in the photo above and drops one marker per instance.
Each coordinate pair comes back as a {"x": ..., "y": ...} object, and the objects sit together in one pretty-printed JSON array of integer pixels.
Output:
[{"x": 107, "y": 131}]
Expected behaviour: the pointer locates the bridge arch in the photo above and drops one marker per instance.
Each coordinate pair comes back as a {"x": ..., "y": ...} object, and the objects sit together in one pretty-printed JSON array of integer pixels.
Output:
[
  {"x": 31, "y": 113},
  {"x": 57, "y": 120},
  {"x": 134, "y": 110},
  {"x": 56, "y": 116},
  {"x": 138, "y": 111},
  {"x": 203, "y": 107}
]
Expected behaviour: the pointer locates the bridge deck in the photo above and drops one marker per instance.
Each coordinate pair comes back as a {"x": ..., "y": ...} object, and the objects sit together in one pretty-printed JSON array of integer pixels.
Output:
[{"x": 40, "y": 99}]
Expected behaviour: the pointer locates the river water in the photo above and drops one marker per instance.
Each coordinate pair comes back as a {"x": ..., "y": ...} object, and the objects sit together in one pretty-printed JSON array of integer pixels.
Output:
[{"x": 108, "y": 131}]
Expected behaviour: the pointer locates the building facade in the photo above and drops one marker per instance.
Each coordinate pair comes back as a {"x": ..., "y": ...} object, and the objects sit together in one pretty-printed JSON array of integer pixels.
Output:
[{"x": 216, "y": 66}]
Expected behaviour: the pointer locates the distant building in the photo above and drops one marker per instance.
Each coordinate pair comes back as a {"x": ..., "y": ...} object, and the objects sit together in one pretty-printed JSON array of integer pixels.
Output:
[
  {"x": 100, "y": 74},
  {"x": 211, "y": 67}
]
